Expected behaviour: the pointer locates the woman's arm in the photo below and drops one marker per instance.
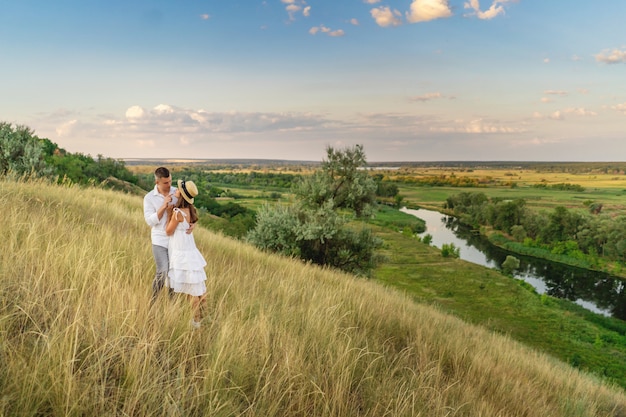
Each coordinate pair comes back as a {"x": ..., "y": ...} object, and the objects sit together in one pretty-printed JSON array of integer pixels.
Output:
[{"x": 172, "y": 222}]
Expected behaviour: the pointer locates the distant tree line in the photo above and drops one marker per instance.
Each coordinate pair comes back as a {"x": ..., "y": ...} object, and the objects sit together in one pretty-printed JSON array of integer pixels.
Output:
[
  {"x": 560, "y": 186},
  {"x": 253, "y": 179},
  {"x": 446, "y": 181},
  {"x": 617, "y": 168},
  {"x": 584, "y": 234}
]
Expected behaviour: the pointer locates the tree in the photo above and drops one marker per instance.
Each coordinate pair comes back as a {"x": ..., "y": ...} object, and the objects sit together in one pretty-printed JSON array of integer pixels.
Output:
[
  {"x": 563, "y": 225},
  {"x": 342, "y": 180},
  {"x": 319, "y": 226},
  {"x": 21, "y": 152},
  {"x": 507, "y": 214}
]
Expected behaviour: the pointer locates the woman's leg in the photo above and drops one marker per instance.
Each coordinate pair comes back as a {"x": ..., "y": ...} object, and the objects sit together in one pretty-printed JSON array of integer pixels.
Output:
[{"x": 195, "y": 308}]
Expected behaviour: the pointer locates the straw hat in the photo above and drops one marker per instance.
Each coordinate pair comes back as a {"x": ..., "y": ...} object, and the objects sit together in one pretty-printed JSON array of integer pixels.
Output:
[{"x": 188, "y": 190}]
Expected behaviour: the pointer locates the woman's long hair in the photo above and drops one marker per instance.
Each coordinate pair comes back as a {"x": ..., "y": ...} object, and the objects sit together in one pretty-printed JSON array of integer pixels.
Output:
[{"x": 182, "y": 203}]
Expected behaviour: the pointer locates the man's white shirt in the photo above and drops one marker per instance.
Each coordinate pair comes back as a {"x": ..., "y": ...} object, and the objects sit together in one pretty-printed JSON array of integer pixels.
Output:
[{"x": 151, "y": 204}]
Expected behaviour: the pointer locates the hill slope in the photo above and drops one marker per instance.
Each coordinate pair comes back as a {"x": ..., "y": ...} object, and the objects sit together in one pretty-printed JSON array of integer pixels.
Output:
[{"x": 77, "y": 336}]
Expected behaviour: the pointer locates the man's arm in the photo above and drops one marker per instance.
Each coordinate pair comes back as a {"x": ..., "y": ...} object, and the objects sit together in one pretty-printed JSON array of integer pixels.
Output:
[{"x": 153, "y": 214}]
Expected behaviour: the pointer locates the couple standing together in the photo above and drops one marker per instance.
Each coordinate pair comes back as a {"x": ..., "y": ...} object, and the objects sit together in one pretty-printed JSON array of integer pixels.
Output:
[{"x": 170, "y": 213}]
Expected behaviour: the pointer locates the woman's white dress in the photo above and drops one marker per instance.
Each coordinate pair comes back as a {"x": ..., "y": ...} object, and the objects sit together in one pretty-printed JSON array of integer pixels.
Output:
[{"x": 186, "y": 274}]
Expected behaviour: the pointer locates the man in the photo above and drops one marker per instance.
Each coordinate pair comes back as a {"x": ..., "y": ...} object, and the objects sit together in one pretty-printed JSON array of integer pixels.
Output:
[{"x": 155, "y": 205}]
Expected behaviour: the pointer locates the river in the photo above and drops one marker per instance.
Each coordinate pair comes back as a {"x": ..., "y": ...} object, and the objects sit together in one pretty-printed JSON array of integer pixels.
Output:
[{"x": 595, "y": 291}]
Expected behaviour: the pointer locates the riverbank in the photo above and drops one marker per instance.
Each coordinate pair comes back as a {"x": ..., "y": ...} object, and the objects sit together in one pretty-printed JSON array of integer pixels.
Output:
[
  {"x": 507, "y": 243},
  {"x": 501, "y": 240}
]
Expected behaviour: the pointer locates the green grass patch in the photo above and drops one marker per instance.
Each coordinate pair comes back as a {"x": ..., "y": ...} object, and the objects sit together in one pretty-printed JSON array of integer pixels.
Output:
[{"x": 395, "y": 219}]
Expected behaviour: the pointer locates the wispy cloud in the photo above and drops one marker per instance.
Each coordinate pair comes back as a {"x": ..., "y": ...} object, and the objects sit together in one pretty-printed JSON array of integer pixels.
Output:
[
  {"x": 561, "y": 114},
  {"x": 296, "y": 6},
  {"x": 620, "y": 108},
  {"x": 478, "y": 126},
  {"x": 494, "y": 10},
  {"x": 555, "y": 93},
  {"x": 615, "y": 56},
  {"x": 205, "y": 16},
  {"x": 580, "y": 111},
  {"x": 323, "y": 29},
  {"x": 169, "y": 117},
  {"x": 426, "y": 97},
  {"x": 66, "y": 128}
]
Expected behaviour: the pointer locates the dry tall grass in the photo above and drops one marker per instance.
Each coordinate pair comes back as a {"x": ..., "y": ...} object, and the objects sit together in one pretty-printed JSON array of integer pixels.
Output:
[{"x": 77, "y": 336}]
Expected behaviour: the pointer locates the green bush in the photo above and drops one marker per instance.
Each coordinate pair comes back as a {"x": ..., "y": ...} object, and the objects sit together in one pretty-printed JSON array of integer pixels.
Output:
[
  {"x": 510, "y": 264},
  {"x": 449, "y": 250}
]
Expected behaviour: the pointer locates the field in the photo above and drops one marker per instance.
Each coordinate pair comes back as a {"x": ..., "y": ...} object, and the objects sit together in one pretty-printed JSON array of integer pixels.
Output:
[
  {"x": 608, "y": 188},
  {"x": 280, "y": 337}
]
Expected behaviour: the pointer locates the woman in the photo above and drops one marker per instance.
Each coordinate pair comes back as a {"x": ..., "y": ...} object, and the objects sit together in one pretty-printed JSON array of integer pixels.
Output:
[{"x": 186, "y": 273}]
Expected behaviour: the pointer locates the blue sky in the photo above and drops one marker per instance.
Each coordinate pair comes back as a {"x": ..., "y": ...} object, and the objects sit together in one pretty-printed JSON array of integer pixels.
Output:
[{"x": 411, "y": 80}]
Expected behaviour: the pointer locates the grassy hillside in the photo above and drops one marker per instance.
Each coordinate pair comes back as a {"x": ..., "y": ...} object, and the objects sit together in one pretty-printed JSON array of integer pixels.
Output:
[{"x": 77, "y": 336}]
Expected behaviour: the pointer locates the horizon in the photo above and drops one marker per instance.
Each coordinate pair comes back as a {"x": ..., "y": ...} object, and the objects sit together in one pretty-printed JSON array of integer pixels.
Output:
[
  {"x": 305, "y": 161},
  {"x": 414, "y": 80}
]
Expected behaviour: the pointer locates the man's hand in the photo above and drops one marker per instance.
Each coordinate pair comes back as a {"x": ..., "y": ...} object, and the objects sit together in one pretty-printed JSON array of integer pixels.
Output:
[{"x": 191, "y": 226}]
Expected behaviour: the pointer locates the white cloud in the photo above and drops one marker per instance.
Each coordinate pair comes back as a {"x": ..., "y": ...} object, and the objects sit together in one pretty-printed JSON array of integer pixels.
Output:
[
  {"x": 66, "y": 128},
  {"x": 546, "y": 60},
  {"x": 620, "y": 108},
  {"x": 354, "y": 21},
  {"x": 426, "y": 10},
  {"x": 546, "y": 100},
  {"x": 615, "y": 56},
  {"x": 385, "y": 17},
  {"x": 205, "y": 16},
  {"x": 167, "y": 118},
  {"x": 295, "y": 6},
  {"x": 323, "y": 29},
  {"x": 135, "y": 112},
  {"x": 371, "y": 1},
  {"x": 494, "y": 10}
]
